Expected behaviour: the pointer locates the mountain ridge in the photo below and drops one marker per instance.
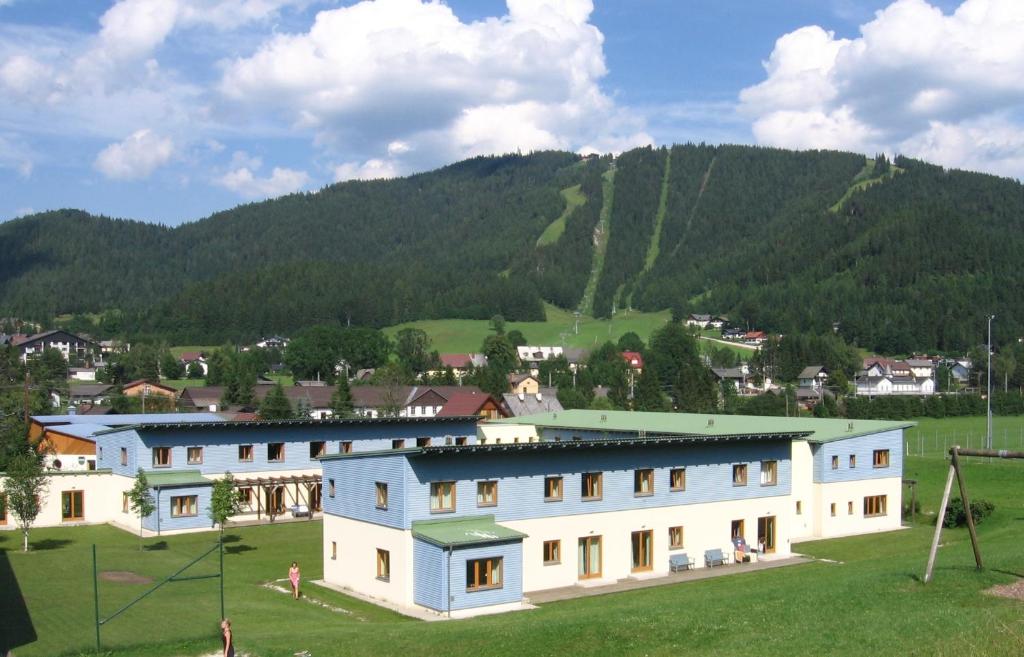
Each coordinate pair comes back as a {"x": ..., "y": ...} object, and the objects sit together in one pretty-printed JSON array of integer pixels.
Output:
[{"x": 785, "y": 240}]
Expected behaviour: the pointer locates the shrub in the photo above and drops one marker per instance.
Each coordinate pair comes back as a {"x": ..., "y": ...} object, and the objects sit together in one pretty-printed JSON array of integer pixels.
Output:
[
  {"x": 956, "y": 517},
  {"x": 907, "y": 509}
]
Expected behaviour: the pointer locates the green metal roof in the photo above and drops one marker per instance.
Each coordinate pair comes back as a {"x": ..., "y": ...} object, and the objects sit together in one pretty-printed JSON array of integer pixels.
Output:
[
  {"x": 176, "y": 478},
  {"x": 468, "y": 530},
  {"x": 821, "y": 430}
]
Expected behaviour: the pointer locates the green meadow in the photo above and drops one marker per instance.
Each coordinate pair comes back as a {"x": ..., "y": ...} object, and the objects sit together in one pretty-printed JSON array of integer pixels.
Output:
[
  {"x": 863, "y": 596},
  {"x": 467, "y": 335}
]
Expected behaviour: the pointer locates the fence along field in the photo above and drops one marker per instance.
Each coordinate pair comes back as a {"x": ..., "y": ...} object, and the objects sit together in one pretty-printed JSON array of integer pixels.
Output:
[{"x": 932, "y": 437}]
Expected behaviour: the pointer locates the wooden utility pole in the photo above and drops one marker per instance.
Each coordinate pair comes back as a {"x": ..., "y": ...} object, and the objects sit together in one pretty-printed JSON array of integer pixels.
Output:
[{"x": 24, "y": 403}]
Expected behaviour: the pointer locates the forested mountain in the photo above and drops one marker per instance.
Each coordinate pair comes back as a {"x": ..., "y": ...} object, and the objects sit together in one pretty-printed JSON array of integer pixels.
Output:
[{"x": 903, "y": 255}]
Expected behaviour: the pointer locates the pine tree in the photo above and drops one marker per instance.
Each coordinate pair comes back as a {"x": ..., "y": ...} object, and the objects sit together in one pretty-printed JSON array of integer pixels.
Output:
[
  {"x": 275, "y": 405},
  {"x": 341, "y": 400},
  {"x": 648, "y": 395}
]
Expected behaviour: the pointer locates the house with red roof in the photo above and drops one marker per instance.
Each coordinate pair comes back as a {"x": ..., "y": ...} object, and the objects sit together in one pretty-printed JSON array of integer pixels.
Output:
[
  {"x": 464, "y": 403},
  {"x": 635, "y": 360}
]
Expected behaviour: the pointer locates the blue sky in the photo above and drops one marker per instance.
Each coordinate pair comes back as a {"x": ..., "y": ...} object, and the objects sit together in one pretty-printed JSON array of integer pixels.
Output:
[{"x": 169, "y": 110}]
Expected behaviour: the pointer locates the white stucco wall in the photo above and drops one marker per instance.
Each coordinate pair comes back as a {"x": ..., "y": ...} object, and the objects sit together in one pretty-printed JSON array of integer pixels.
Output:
[
  {"x": 842, "y": 493},
  {"x": 356, "y": 564},
  {"x": 489, "y": 434},
  {"x": 804, "y": 524},
  {"x": 706, "y": 527},
  {"x": 101, "y": 502}
]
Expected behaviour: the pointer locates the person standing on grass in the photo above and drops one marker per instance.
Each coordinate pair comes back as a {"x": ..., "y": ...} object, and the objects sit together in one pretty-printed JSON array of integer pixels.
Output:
[
  {"x": 293, "y": 576},
  {"x": 226, "y": 638}
]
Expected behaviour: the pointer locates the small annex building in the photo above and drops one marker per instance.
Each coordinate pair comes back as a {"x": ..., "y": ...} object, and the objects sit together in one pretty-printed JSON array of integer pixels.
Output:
[{"x": 587, "y": 498}]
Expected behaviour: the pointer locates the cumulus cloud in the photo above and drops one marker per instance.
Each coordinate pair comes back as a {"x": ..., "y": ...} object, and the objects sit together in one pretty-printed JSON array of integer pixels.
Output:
[
  {"x": 370, "y": 170},
  {"x": 945, "y": 87},
  {"x": 406, "y": 80},
  {"x": 244, "y": 182},
  {"x": 136, "y": 157}
]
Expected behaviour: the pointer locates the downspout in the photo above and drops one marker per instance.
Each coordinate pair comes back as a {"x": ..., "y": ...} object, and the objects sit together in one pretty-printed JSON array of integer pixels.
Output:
[
  {"x": 448, "y": 581},
  {"x": 157, "y": 510}
]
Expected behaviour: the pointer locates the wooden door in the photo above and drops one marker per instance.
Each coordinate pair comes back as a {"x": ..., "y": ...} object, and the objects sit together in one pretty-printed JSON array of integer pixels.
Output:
[
  {"x": 590, "y": 557},
  {"x": 643, "y": 550},
  {"x": 766, "y": 533}
]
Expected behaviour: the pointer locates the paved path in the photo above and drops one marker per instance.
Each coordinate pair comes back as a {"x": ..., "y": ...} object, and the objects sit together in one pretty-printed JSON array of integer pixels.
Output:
[{"x": 572, "y": 592}]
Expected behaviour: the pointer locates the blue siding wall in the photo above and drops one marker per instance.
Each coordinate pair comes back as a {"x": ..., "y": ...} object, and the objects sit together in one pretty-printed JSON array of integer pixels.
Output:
[
  {"x": 863, "y": 447},
  {"x": 512, "y": 576},
  {"x": 220, "y": 446},
  {"x": 520, "y": 477},
  {"x": 355, "y": 491},
  {"x": 430, "y": 569},
  {"x": 111, "y": 452},
  {"x": 166, "y": 523}
]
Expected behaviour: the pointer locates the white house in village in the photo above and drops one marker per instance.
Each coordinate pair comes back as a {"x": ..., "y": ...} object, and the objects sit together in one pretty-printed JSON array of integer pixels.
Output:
[{"x": 882, "y": 376}]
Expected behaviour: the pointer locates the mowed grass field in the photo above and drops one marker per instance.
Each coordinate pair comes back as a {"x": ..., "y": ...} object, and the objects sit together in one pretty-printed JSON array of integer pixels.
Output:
[
  {"x": 467, "y": 335},
  {"x": 934, "y": 436},
  {"x": 867, "y": 599}
]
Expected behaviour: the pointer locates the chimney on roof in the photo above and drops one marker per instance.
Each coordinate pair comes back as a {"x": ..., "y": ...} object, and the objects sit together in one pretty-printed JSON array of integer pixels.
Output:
[
  {"x": 522, "y": 396},
  {"x": 72, "y": 410},
  {"x": 711, "y": 421},
  {"x": 604, "y": 418},
  {"x": 539, "y": 395}
]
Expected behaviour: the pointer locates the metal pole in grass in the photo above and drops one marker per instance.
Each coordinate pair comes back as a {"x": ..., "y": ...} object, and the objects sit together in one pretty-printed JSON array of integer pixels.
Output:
[
  {"x": 222, "y": 577},
  {"x": 96, "y": 596}
]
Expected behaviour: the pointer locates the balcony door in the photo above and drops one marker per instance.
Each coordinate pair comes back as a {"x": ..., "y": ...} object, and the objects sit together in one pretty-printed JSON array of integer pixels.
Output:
[{"x": 590, "y": 557}]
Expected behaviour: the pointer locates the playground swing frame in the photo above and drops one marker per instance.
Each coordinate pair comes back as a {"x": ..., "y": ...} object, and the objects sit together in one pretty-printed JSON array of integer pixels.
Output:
[{"x": 955, "y": 453}]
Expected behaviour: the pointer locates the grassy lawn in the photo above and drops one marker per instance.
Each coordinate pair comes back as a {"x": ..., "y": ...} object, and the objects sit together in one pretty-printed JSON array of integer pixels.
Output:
[
  {"x": 467, "y": 335},
  {"x": 935, "y": 436},
  {"x": 181, "y": 384},
  {"x": 178, "y": 351},
  {"x": 870, "y": 601},
  {"x": 574, "y": 198}
]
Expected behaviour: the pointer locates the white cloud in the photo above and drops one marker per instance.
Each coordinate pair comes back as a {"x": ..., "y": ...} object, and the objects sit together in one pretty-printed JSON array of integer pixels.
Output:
[
  {"x": 136, "y": 157},
  {"x": 370, "y": 170},
  {"x": 16, "y": 155},
  {"x": 406, "y": 83},
  {"x": 245, "y": 182},
  {"x": 916, "y": 81}
]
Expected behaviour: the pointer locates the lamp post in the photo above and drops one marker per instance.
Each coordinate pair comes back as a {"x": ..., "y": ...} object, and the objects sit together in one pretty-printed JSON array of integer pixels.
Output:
[{"x": 988, "y": 397}]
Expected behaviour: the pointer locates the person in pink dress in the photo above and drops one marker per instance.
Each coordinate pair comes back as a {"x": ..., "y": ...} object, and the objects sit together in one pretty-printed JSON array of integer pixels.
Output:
[{"x": 293, "y": 576}]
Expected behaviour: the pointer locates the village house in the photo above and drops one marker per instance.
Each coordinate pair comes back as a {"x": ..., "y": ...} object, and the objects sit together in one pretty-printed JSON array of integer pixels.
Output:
[
  {"x": 813, "y": 377},
  {"x": 71, "y": 346},
  {"x": 188, "y": 358},
  {"x": 545, "y": 400},
  {"x": 460, "y": 364},
  {"x": 883, "y": 376},
  {"x": 523, "y": 384},
  {"x": 143, "y": 388}
]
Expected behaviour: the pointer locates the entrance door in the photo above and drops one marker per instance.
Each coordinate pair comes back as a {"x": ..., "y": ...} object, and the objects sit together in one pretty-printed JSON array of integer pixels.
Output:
[
  {"x": 643, "y": 550},
  {"x": 737, "y": 529},
  {"x": 590, "y": 557},
  {"x": 766, "y": 533},
  {"x": 72, "y": 504}
]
